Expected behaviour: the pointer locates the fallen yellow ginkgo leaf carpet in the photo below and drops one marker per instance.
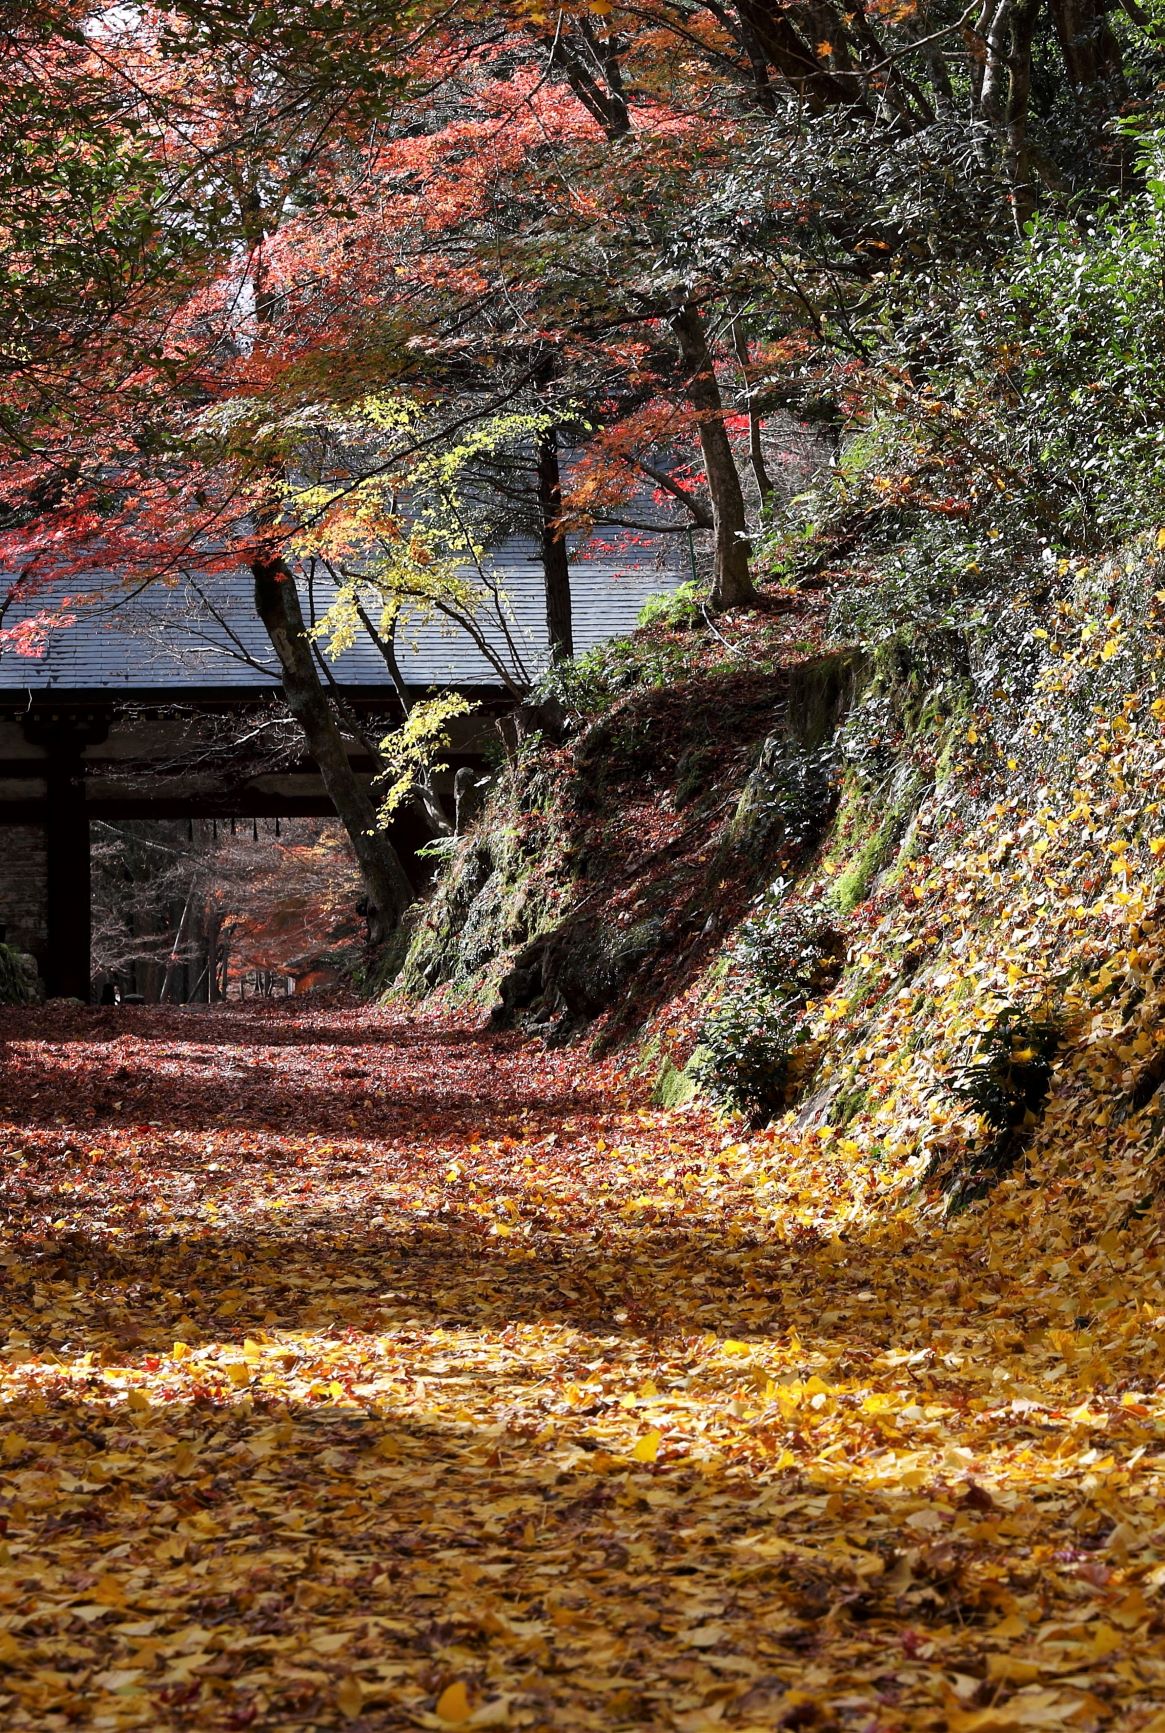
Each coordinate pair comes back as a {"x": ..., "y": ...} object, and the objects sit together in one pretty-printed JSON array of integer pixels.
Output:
[{"x": 367, "y": 1373}]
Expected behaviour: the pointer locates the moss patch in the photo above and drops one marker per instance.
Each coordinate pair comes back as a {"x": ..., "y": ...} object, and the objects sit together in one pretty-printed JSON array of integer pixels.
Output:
[
  {"x": 878, "y": 849},
  {"x": 674, "y": 1085},
  {"x": 19, "y": 982}
]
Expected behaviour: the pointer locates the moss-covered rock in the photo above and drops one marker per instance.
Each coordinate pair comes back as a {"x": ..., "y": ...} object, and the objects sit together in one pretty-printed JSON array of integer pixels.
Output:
[
  {"x": 888, "y": 822},
  {"x": 576, "y": 972},
  {"x": 494, "y": 890},
  {"x": 20, "y": 983}
]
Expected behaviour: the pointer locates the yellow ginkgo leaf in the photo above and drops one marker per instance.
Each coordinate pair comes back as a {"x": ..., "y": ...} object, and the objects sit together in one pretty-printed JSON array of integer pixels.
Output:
[
  {"x": 453, "y": 1703},
  {"x": 1012, "y": 1669},
  {"x": 350, "y": 1697}
]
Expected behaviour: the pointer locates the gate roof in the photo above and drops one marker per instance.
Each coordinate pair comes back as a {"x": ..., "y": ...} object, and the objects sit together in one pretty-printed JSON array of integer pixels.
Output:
[{"x": 193, "y": 633}]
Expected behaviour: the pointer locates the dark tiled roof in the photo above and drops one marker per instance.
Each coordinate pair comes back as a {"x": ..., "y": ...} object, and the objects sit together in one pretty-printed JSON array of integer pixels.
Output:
[{"x": 200, "y": 633}]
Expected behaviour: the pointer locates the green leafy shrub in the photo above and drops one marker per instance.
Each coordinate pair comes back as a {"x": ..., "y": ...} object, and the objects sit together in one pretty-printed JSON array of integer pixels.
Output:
[
  {"x": 749, "y": 1041},
  {"x": 746, "y": 1050},
  {"x": 1034, "y": 434},
  {"x": 1088, "y": 305},
  {"x": 1008, "y": 1077},
  {"x": 789, "y": 795},
  {"x": 1006, "y": 1080},
  {"x": 793, "y": 952},
  {"x": 678, "y": 609},
  {"x": 588, "y": 686}
]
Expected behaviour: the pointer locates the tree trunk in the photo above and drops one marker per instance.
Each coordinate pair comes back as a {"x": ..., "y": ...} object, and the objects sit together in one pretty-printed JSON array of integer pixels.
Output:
[
  {"x": 555, "y": 560},
  {"x": 213, "y": 922},
  {"x": 756, "y": 450},
  {"x": 1090, "y": 49},
  {"x": 198, "y": 990},
  {"x": 277, "y": 602},
  {"x": 176, "y": 960},
  {"x": 732, "y": 584},
  {"x": 792, "y": 57},
  {"x": 1019, "y": 161}
]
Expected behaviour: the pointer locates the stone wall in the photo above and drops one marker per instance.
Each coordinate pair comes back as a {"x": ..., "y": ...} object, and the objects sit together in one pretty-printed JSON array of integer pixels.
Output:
[{"x": 22, "y": 887}]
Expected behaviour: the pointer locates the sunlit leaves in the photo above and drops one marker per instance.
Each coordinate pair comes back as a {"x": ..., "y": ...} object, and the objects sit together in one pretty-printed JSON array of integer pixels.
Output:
[
  {"x": 755, "y": 1446},
  {"x": 413, "y": 749}
]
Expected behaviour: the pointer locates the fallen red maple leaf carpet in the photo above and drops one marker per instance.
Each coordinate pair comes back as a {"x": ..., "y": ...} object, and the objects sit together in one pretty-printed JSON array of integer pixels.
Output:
[{"x": 374, "y": 1373}]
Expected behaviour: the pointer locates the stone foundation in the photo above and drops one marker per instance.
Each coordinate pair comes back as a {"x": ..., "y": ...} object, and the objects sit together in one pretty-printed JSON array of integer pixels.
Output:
[{"x": 23, "y": 888}]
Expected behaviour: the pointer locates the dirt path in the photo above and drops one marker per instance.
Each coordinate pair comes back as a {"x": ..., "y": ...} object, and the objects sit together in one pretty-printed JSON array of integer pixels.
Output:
[{"x": 374, "y": 1374}]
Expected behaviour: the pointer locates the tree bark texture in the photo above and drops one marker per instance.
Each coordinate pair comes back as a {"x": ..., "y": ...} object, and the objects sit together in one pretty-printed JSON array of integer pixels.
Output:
[
  {"x": 1090, "y": 49},
  {"x": 175, "y": 965},
  {"x": 791, "y": 56},
  {"x": 1019, "y": 157},
  {"x": 555, "y": 559},
  {"x": 732, "y": 584},
  {"x": 277, "y": 602},
  {"x": 756, "y": 450}
]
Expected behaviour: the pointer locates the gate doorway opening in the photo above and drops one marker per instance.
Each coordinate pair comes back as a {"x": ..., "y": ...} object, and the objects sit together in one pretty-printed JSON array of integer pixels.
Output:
[{"x": 203, "y": 910}]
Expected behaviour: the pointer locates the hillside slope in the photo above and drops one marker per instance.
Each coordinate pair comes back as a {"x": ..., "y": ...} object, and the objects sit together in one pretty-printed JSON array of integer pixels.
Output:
[
  {"x": 945, "y": 1026},
  {"x": 903, "y": 900}
]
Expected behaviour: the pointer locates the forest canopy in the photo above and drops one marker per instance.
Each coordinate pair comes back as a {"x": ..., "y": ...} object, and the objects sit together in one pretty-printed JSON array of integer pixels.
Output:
[{"x": 344, "y": 286}]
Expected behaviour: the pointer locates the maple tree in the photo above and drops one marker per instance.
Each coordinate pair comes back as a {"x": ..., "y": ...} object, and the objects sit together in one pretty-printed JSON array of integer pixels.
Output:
[
  {"x": 472, "y": 211},
  {"x": 224, "y": 117},
  {"x": 370, "y": 1368}
]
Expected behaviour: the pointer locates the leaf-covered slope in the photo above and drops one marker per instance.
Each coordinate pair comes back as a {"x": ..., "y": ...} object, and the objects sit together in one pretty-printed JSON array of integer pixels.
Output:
[
  {"x": 961, "y": 849},
  {"x": 1024, "y": 893},
  {"x": 620, "y": 841}
]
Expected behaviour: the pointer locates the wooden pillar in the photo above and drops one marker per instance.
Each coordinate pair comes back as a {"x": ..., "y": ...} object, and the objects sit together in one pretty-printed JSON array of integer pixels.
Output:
[{"x": 63, "y": 733}]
